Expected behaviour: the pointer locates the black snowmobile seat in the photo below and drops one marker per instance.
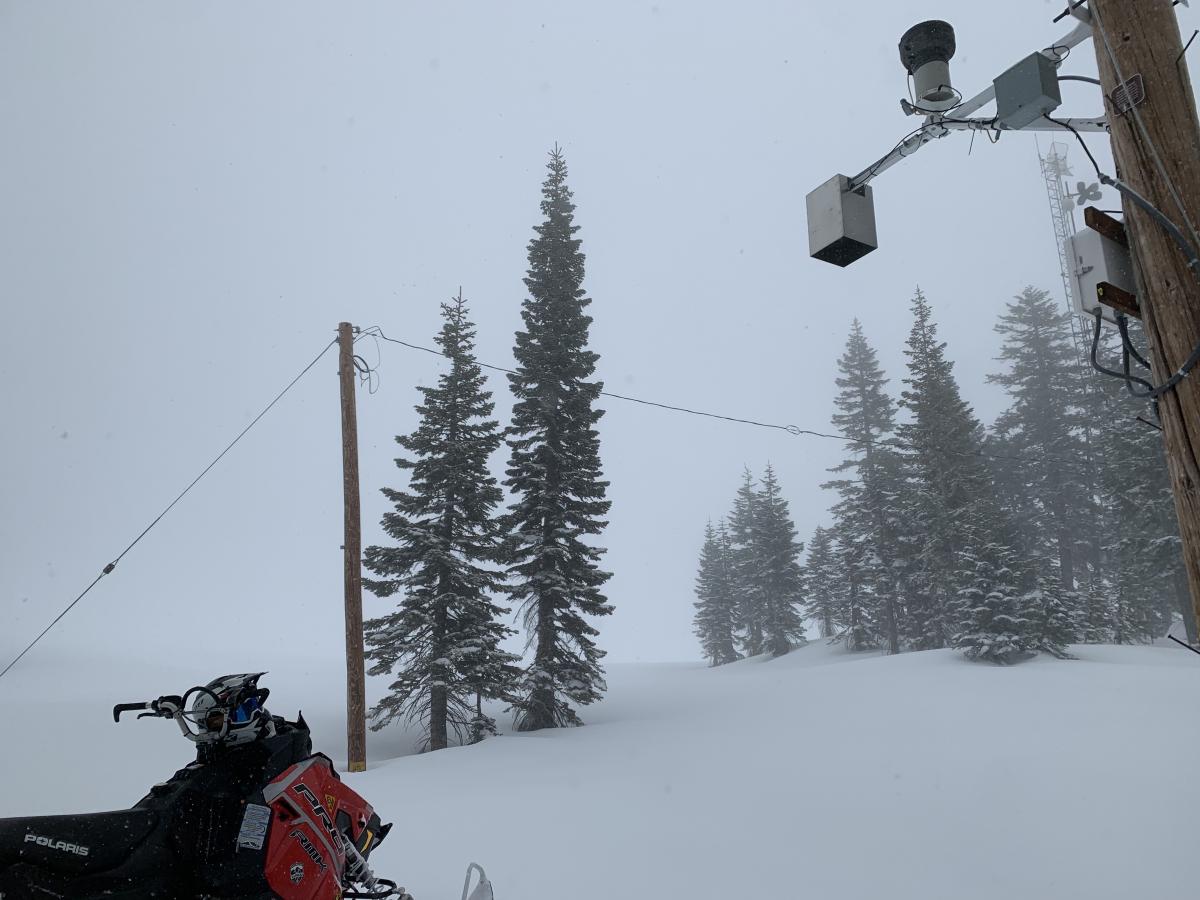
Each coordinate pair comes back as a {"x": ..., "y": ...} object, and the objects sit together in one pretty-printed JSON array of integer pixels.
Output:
[{"x": 90, "y": 843}]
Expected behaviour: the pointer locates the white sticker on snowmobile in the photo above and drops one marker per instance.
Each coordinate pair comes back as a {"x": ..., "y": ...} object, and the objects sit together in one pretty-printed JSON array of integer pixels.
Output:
[
  {"x": 54, "y": 844},
  {"x": 254, "y": 826}
]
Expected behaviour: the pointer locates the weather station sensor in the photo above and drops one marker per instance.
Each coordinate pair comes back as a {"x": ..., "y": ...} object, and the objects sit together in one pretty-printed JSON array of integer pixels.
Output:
[
  {"x": 841, "y": 212},
  {"x": 841, "y": 222},
  {"x": 925, "y": 53}
]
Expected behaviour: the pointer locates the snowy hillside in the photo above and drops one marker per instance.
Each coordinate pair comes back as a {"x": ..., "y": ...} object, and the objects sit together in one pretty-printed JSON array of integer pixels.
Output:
[{"x": 817, "y": 775}]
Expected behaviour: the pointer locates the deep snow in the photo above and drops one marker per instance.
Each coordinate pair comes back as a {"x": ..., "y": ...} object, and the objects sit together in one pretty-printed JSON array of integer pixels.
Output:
[{"x": 817, "y": 775}]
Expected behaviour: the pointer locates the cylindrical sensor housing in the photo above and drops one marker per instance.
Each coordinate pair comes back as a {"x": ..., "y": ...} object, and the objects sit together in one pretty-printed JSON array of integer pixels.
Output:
[{"x": 925, "y": 52}]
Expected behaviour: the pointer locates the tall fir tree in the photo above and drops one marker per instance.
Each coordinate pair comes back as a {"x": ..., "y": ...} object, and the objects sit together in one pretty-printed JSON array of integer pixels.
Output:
[
  {"x": 858, "y": 616},
  {"x": 867, "y": 512},
  {"x": 445, "y": 638},
  {"x": 823, "y": 576},
  {"x": 745, "y": 561},
  {"x": 1044, "y": 426},
  {"x": 715, "y": 609},
  {"x": 968, "y": 543},
  {"x": 555, "y": 473},
  {"x": 779, "y": 574}
]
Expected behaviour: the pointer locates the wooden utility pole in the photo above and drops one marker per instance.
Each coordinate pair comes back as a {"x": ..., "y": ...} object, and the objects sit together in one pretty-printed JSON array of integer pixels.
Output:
[
  {"x": 356, "y": 702},
  {"x": 1142, "y": 36}
]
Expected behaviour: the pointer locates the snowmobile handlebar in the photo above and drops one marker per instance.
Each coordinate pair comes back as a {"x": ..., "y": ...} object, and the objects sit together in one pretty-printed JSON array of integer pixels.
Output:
[
  {"x": 172, "y": 706},
  {"x": 165, "y": 707}
]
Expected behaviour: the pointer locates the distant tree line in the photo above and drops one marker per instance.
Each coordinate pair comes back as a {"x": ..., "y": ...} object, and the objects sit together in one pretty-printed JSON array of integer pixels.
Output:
[
  {"x": 1054, "y": 527},
  {"x": 454, "y": 553}
]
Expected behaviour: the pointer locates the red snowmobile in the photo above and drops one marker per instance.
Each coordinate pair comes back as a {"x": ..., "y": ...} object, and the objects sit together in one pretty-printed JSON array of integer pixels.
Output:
[{"x": 258, "y": 816}]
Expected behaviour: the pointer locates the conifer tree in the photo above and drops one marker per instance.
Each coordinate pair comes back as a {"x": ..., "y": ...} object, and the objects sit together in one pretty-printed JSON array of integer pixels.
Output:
[
  {"x": 947, "y": 479},
  {"x": 715, "y": 611},
  {"x": 867, "y": 513},
  {"x": 745, "y": 560},
  {"x": 1051, "y": 613},
  {"x": 823, "y": 577},
  {"x": 555, "y": 473},
  {"x": 445, "y": 637},
  {"x": 779, "y": 575},
  {"x": 969, "y": 574},
  {"x": 1043, "y": 426},
  {"x": 857, "y": 615},
  {"x": 990, "y": 612}
]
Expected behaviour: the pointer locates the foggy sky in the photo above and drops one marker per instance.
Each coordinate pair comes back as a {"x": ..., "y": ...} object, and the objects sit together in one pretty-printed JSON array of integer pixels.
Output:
[{"x": 195, "y": 195}]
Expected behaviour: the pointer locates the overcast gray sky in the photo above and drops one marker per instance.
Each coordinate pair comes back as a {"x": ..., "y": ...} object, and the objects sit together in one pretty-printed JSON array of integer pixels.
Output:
[{"x": 194, "y": 195}]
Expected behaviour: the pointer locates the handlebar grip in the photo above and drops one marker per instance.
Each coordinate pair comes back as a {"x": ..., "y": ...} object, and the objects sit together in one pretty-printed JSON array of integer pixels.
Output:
[{"x": 127, "y": 707}]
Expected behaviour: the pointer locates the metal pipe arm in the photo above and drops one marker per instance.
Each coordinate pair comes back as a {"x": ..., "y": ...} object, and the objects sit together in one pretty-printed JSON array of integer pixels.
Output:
[{"x": 938, "y": 125}]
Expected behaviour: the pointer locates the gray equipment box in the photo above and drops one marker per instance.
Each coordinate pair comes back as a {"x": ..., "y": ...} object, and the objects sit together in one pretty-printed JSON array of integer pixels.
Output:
[
  {"x": 841, "y": 222},
  {"x": 1026, "y": 92},
  {"x": 1097, "y": 260}
]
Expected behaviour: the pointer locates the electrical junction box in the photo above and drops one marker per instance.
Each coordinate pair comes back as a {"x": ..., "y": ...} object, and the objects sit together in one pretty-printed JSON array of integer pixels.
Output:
[
  {"x": 841, "y": 222},
  {"x": 1097, "y": 260},
  {"x": 1026, "y": 92}
]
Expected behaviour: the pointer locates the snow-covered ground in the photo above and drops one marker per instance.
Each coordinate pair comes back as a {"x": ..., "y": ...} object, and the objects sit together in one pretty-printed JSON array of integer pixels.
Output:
[{"x": 817, "y": 775}]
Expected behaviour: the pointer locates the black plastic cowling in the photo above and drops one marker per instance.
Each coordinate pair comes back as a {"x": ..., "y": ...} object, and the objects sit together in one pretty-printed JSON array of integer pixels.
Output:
[{"x": 926, "y": 42}]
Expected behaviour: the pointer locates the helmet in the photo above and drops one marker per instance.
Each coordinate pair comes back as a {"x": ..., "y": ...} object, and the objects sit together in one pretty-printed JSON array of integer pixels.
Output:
[{"x": 229, "y": 710}]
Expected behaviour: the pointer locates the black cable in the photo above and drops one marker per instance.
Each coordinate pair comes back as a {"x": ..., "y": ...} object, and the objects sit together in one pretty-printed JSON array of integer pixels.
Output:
[
  {"x": 370, "y": 374},
  {"x": 1182, "y": 644},
  {"x": 1071, "y": 7},
  {"x": 112, "y": 565},
  {"x": 1088, "y": 78},
  {"x": 790, "y": 429},
  {"x": 1140, "y": 125},
  {"x": 1082, "y": 142},
  {"x": 1127, "y": 341},
  {"x": 900, "y": 143},
  {"x": 1185, "y": 46},
  {"x": 1193, "y": 259},
  {"x": 1124, "y": 376},
  {"x": 1129, "y": 379},
  {"x": 912, "y": 102},
  {"x": 57, "y": 618}
]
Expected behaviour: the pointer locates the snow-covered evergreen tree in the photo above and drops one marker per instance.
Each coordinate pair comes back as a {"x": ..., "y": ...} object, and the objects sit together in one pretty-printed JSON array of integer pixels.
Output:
[
  {"x": 1052, "y": 614},
  {"x": 951, "y": 507},
  {"x": 1043, "y": 425},
  {"x": 555, "y": 473},
  {"x": 990, "y": 609},
  {"x": 866, "y": 514},
  {"x": 857, "y": 615},
  {"x": 778, "y": 572},
  {"x": 445, "y": 637},
  {"x": 946, "y": 478},
  {"x": 823, "y": 577},
  {"x": 745, "y": 560},
  {"x": 715, "y": 607}
]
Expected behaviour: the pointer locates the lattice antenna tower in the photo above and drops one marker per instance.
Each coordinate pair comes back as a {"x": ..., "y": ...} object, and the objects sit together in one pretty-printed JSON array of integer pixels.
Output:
[{"x": 1055, "y": 171}]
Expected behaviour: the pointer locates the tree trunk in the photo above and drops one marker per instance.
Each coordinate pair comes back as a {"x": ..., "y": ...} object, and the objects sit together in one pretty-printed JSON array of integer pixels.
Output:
[
  {"x": 438, "y": 739},
  {"x": 893, "y": 628},
  {"x": 1066, "y": 554},
  {"x": 438, "y": 695}
]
